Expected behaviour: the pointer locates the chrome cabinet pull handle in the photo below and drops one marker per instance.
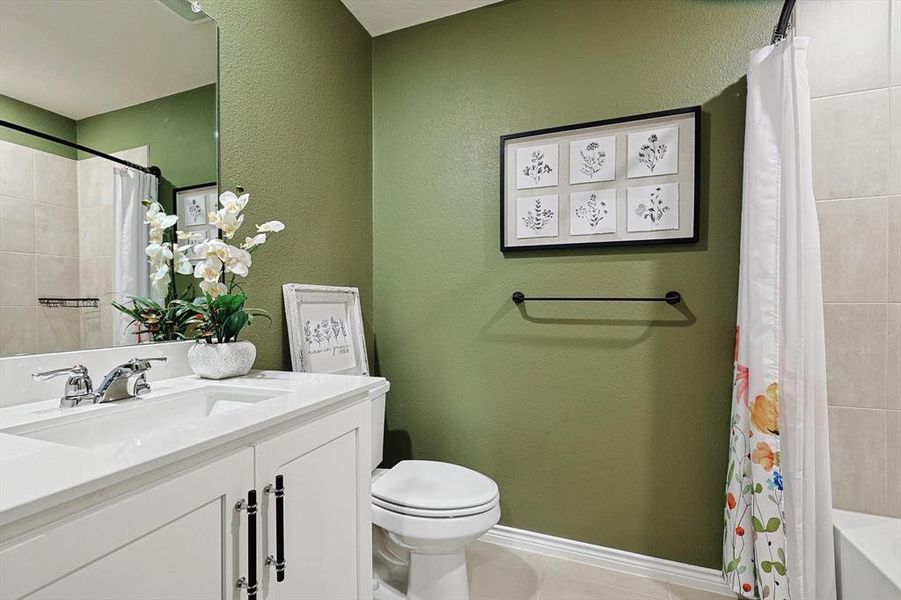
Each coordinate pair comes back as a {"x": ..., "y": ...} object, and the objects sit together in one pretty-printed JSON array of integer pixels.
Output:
[{"x": 249, "y": 583}]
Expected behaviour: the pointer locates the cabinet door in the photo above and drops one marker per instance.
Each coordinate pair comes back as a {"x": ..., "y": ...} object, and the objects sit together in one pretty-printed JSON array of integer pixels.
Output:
[
  {"x": 327, "y": 532},
  {"x": 178, "y": 538}
]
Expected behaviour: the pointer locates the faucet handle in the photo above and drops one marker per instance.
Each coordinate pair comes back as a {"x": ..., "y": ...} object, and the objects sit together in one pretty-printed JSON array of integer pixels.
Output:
[
  {"x": 73, "y": 371},
  {"x": 142, "y": 364}
]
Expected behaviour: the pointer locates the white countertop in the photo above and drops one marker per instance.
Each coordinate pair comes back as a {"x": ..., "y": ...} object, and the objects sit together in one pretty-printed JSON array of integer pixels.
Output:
[{"x": 36, "y": 475}]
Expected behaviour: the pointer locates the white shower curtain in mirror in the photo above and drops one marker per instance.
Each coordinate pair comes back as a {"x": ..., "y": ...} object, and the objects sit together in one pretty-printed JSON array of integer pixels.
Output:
[
  {"x": 778, "y": 516},
  {"x": 131, "y": 272}
]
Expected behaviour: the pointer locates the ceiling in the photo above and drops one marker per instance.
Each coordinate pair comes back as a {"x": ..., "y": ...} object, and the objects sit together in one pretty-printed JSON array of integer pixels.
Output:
[
  {"x": 382, "y": 16},
  {"x": 80, "y": 59}
]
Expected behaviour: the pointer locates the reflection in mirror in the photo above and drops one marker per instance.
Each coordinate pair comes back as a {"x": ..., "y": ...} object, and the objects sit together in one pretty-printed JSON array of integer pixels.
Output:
[{"x": 108, "y": 144}]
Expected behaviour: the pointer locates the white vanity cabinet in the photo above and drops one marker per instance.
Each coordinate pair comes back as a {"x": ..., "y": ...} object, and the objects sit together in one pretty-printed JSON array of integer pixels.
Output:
[
  {"x": 325, "y": 467},
  {"x": 180, "y": 535},
  {"x": 179, "y": 538}
]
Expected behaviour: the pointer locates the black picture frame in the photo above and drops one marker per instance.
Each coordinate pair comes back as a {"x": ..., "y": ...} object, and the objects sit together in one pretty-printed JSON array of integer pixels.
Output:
[{"x": 694, "y": 111}]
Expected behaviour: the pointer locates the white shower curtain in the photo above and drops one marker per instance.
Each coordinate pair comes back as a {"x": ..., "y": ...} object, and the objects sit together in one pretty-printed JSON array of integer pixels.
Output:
[
  {"x": 778, "y": 522},
  {"x": 131, "y": 272}
]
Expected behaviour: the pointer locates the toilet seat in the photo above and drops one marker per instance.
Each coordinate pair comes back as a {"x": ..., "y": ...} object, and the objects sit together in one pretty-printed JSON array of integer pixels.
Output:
[
  {"x": 436, "y": 514},
  {"x": 434, "y": 489}
]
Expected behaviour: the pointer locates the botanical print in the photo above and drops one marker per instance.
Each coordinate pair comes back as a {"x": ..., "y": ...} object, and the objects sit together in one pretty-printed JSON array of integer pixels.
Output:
[
  {"x": 536, "y": 166},
  {"x": 536, "y": 216},
  {"x": 592, "y": 212},
  {"x": 194, "y": 209},
  {"x": 653, "y": 207},
  {"x": 592, "y": 160},
  {"x": 327, "y": 337},
  {"x": 654, "y": 152},
  {"x": 754, "y": 540}
]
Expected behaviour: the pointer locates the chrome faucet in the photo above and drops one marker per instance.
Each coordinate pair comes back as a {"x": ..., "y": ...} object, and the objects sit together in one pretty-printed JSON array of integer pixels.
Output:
[{"x": 128, "y": 380}]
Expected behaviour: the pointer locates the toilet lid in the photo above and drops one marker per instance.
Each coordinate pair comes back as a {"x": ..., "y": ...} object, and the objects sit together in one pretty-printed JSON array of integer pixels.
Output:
[{"x": 434, "y": 485}]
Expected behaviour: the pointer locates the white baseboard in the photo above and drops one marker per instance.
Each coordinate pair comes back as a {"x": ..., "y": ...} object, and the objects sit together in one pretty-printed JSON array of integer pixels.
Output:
[{"x": 692, "y": 576}]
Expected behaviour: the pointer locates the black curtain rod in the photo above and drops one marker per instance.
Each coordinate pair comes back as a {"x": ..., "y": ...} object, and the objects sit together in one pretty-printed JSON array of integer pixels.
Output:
[
  {"x": 670, "y": 297},
  {"x": 784, "y": 17},
  {"x": 152, "y": 170}
]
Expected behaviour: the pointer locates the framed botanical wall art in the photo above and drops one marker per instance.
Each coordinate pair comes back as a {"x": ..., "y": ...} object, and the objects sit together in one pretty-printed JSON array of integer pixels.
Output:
[
  {"x": 193, "y": 204},
  {"x": 325, "y": 329},
  {"x": 626, "y": 181}
]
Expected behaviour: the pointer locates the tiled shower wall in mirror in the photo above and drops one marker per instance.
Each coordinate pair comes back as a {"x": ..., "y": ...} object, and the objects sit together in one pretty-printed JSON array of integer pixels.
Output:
[
  {"x": 56, "y": 241},
  {"x": 855, "y": 73}
]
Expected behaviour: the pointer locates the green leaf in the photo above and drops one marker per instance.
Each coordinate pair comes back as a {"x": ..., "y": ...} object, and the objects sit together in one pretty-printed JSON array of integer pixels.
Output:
[
  {"x": 780, "y": 568},
  {"x": 234, "y": 324},
  {"x": 732, "y": 564},
  {"x": 731, "y": 469},
  {"x": 766, "y": 565},
  {"x": 758, "y": 488},
  {"x": 781, "y": 554},
  {"x": 757, "y": 525},
  {"x": 773, "y": 524}
]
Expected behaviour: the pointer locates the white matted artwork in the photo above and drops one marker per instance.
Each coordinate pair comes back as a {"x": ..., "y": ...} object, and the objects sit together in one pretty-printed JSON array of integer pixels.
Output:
[
  {"x": 325, "y": 329},
  {"x": 193, "y": 205},
  {"x": 654, "y": 152},
  {"x": 653, "y": 207},
  {"x": 592, "y": 160},
  {"x": 592, "y": 212},
  {"x": 537, "y": 216},
  {"x": 537, "y": 166},
  {"x": 605, "y": 167}
]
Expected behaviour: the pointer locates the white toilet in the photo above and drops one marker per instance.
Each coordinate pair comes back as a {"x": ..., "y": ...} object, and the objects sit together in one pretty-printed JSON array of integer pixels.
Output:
[{"x": 424, "y": 514}]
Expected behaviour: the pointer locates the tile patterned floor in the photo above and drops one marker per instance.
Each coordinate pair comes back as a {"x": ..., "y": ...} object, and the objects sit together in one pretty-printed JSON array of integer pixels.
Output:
[{"x": 499, "y": 573}]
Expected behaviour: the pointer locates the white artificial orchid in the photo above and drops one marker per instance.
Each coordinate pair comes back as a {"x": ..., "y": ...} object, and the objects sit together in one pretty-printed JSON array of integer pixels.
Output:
[
  {"x": 188, "y": 236},
  {"x": 233, "y": 203},
  {"x": 253, "y": 242},
  {"x": 208, "y": 270},
  {"x": 274, "y": 226},
  {"x": 213, "y": 288},
  {"x": 157, "y": 218},
  {"x": 160, "y": 279},
  {"x": 227, "y": 221},
  {"x": 238, "y": 261},
  {"x": 158, "y": 254},
  {"x": 215, "y": 248},
  {"x": 180, "y": 261}
]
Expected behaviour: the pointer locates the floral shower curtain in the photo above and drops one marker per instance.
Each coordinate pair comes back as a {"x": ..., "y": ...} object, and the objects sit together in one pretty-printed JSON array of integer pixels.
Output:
[{"x": 777, "y": 541}]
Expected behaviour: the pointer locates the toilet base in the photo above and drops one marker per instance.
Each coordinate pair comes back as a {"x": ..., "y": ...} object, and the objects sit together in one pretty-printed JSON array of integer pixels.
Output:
[{"x": 438, "y": 576}]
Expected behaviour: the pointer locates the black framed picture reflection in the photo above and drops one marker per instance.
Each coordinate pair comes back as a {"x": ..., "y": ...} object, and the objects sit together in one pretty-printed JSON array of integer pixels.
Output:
[{"x": 617, "y": 182}]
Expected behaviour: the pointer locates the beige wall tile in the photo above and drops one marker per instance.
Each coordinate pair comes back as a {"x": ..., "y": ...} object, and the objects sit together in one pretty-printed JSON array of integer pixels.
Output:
[
  {"x": 17, "y": 284},
  {"x": 55, "y": 180},
  {"x": 95, "y": 182},
  {"x": 16, "y": 224},
  {"x": 850, "y": 145},
  {"x": 16, "y": 171},
  {"x": 854, "y": 249},
  {"x": 56, "y": 230},
  {"x": 893, "y": 470},
  {"x": 97, "y": 277},
  {"x": 857, "y": 455},
  {"x": 840, "y": 61},
  {"x": 896, "y": 43},
  {"x": 855, "y": 354},
  {"x": 18, "y": 330},
  {"x": 57, "y": 276},
  {"x": 894, "y": 158},
  {"x": 95, "y": 231},
  {"x": 893, "y": 357},
  {"x": 59, "y": 329},
  {"x": 894, "y": 249}
]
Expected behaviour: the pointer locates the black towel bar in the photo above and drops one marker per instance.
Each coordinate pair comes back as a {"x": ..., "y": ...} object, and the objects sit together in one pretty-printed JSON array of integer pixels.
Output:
[{"x": 670, "y": 297}]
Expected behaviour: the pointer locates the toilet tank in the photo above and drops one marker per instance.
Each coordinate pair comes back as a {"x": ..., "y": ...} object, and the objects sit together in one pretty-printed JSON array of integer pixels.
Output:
[{"x": 377, "y": 416}]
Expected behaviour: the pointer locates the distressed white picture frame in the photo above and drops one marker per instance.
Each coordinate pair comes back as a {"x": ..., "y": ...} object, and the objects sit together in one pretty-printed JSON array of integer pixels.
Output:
[{"x": 335, "y": 351}]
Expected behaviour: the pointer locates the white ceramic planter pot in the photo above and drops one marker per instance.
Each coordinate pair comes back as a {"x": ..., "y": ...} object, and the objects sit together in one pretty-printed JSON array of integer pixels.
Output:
[{"x": 220, "y": 361}]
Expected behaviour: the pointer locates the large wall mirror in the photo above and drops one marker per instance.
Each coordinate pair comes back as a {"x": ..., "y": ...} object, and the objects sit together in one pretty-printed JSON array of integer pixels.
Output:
[{"x": 106, "y": 107}]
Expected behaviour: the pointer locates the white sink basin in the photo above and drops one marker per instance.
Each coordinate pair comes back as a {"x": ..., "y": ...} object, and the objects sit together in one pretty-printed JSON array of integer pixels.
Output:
[{"x": 130, "y": 419}]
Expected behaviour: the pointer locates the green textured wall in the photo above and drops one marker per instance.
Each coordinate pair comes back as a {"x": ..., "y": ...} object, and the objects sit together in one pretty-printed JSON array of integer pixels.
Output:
[
  {"x": 602, "y": 423},
  {"x": 180, "y": 131},
  {"x": 21, "y": 113},
  {"x": 296, "y": 131}
]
